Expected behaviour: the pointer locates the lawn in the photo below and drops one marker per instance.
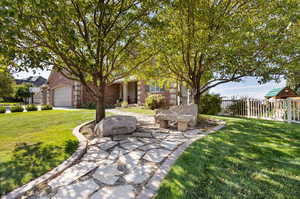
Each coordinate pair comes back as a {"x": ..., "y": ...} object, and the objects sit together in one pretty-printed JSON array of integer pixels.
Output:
[
  {"x": 32, "y": 143},
  {"x": 138, "y": 110},
  {"x": 250, "y": 158}
]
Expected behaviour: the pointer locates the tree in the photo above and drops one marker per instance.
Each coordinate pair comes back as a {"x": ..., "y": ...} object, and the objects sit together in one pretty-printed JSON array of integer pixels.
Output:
[
  {"x": 205, "y": 43},
  {"x": 6, "y": 83},
  {"x": 22, "y": 92},
  {"x": 95, "y": 42}
]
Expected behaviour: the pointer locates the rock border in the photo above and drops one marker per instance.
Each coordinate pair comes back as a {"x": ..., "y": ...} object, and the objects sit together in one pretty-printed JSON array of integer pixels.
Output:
[
  {"x": 153, "y": 184},
  {"x": 83, "y": 143}
]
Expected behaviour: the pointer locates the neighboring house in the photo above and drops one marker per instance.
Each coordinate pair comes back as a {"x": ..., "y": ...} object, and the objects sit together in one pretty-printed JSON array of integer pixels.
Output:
[
  {"x": 69, "y": 93},
  {"x": 281, "y": 93},
  {"x": 37, "y": 85}
]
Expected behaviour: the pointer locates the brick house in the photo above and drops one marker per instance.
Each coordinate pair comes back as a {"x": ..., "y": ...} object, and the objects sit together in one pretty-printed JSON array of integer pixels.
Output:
[{"x": 69, "y": 93}]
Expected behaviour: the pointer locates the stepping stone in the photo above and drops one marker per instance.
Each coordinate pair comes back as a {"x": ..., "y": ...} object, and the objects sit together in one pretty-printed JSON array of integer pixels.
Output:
[
  {"x": 108, "y": 145},
  {"x": 130, "y": 161},
  {"x": 139, "y": 174},
  {"x": 131, "y": 145},
  {"x": 192, "y": 133},
  {"x": 78, "y": 190},
  {"x": 95, "y": 155},
  {"x": 115, "y": 153},
  {"x": 99, "y": 140},
  {"x": 142, "y": 134},
  {"x": 159, "y": 135},
  {"x": 116, "y": 192},
  {"x": 156, "y": 155},
  {"x": 72, "y": 174},
  {"x": 149, "y": 147},
  {"x": 107, "y": 174},
  {"x": 170, "y": 145}
]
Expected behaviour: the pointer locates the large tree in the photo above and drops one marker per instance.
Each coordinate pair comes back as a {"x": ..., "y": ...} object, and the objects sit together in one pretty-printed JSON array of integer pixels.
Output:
[
  {"x": 6, "y": 83},
  {"x": 205, "y": 43},
  {"x": 95, "y": 42}
]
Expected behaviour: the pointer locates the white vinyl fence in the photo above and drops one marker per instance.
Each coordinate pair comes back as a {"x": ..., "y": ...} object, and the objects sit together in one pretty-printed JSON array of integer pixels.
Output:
[{"x": 282, "y": 110}]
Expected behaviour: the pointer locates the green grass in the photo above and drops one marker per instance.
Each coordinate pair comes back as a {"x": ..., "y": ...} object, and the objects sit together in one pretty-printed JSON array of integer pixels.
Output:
[
  {"x": 9, "y": 103},
  {"x": 33, "y": 143},
  {"x": 138, "y": 110},
  {"x": 253, "y": 159}
]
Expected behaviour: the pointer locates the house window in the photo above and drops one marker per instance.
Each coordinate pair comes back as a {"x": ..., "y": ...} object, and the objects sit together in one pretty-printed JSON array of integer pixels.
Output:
[{"x": 154, "y": 88}]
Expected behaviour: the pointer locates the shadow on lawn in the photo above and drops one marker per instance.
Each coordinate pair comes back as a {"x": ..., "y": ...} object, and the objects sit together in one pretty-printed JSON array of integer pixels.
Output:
[
  {"x": 247, "y": 159},
  {"x": 30, "y": 161}
]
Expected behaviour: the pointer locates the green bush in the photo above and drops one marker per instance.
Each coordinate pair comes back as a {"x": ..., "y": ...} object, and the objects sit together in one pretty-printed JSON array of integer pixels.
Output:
[
  {"x": 155, "y": 101},
  {"x": 2, "y": 109},
  {"x": 18, "y": 108},
  {"x": 89, "y": 105},
  {"x": 46, "y": 107},
  {"x": 210, "y": 104},
  {"x": 31, "y": 107}
]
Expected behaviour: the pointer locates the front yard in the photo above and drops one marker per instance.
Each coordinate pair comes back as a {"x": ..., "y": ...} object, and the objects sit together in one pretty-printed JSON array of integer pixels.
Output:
[
  {"x": 32, "y": 143},
  {"x": 248, "y": 159}
]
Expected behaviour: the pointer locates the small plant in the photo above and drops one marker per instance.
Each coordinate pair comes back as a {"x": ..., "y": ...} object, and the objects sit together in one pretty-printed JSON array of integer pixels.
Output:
[
  {"x": 18, "y": 108},
  {"x": 210, "y": 104},
  {"x": 89, "y": 105},
  {"x": 124, "y": 104},
  {"x": 2, "y": 109},
  {"x": 31, "y": 107},
  {"x": 47, "y": 107},
  {"x": 155, "y": 101}
]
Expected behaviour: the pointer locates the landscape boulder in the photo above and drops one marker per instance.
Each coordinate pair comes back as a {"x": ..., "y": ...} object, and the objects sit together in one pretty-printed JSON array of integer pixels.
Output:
[{"x": 116, "y": 125}]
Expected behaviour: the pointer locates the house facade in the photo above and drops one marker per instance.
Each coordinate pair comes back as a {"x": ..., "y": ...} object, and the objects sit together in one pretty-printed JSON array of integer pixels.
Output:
[
  {"x": 63, "y": 92},
  {"x": 281, "y": 93}
]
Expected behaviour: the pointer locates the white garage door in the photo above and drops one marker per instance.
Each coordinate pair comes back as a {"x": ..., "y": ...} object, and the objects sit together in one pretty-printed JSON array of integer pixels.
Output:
[{"x": 63, "y": 96}]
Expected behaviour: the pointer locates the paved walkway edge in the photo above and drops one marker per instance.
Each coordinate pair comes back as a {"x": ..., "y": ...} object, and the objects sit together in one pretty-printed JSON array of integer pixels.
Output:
[
  {"x": 154, "y": 183},
  {"x": 83, "y": 142}
]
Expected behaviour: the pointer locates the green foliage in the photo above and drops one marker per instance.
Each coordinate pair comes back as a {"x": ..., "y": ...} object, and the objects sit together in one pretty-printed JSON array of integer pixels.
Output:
[
  {"x": 210, "y": 104},
  {"x": 155, "y": 101},
  {"x": 6, "y": 84},
  {"x": 94, "y": 42},
  {"x": 46, "y": 107},
  {"x": 18, "y": 108},
  {"x": 31, "y": 107},
  {"x": 22, "y": 91},
  {"x": 237, "y": 107},
  {"x": 207, "y": 43},
  {"x": 89, "y": 105},
  {"x": 2, "y": 109}
]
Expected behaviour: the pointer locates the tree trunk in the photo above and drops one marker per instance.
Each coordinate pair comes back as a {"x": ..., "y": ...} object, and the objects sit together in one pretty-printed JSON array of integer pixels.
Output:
[
  {"x": 197, "y": 101},
  {"x": 100, "y": 106}
]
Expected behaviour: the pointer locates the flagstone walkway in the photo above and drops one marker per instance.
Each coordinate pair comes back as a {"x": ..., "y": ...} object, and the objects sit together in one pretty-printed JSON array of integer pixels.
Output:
[{"x": 122, "y": 167}]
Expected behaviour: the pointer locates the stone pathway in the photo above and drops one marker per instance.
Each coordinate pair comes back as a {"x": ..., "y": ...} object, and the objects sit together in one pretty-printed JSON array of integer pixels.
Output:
[{"x": 121, "y": 167}]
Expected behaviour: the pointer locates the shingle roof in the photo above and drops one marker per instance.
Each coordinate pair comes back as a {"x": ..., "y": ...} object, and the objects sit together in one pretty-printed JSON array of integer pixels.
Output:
[{"x": 274, "y": 92}]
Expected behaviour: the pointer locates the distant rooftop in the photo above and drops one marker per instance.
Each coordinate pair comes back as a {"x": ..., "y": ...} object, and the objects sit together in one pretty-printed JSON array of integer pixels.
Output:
[
  {"x": 274, "y": 92},
  {"x": 34, "y": 80}
]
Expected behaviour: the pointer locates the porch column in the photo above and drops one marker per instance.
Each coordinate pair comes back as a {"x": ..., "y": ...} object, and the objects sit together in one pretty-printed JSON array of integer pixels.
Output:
[{"x": 125, "y": 92}]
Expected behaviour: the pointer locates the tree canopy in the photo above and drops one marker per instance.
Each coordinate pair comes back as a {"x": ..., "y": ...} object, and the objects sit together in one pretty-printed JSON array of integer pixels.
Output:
[
  {"x": 206, "y": 43},
  {"x": 6, "y": 83},
  {"x": 95, "y": 42}
]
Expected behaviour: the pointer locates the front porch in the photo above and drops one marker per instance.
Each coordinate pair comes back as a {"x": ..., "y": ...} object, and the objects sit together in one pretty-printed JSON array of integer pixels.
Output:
[{"x": 128, "y": 92}]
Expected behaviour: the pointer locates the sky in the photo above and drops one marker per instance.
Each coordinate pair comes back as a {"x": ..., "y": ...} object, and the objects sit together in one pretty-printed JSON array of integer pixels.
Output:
[{"x": 248, "y": 87}]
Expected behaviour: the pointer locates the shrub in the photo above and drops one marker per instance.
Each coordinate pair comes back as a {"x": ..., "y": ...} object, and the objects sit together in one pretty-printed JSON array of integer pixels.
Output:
[
  {"x": 210, "y": 104},
  {"x": 89, "y": 105},
  {"x": 46, "y": 107},
  {"x": 18, "y": 108},
  {"x": 237, "y": 107},
  {"x": 124, "y": 104},
  {"x": 155, "y": 101},
  {"x": 2, "y": 109},
  {"x": 31, "y": 107}
]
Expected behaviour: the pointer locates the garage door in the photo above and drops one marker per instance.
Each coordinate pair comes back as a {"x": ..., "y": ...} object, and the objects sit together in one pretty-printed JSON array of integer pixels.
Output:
[{"x": 63, "y": 96}]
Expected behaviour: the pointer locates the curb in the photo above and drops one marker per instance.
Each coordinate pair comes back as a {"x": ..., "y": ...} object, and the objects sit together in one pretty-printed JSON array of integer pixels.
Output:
[
  {"x": 153, "y": 185},
  {"x": 83, "y": 142}
]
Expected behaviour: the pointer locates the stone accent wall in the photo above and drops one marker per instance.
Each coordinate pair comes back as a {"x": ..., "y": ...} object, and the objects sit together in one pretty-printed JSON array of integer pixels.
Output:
[{"x": 170, "y": 94}]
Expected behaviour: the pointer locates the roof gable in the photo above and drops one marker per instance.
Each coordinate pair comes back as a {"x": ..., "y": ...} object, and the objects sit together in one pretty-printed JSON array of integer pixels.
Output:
[{"x": 274, "y": 92}]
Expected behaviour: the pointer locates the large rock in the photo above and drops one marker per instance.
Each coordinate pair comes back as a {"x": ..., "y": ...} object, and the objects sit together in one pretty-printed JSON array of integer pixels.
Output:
[{"x": 116, "y": 125}]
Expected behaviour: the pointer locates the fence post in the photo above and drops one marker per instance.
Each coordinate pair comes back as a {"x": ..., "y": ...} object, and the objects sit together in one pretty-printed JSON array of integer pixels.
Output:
[
  {"x": 248, "y": 107},
  {"x": 289, "y": 110}
]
